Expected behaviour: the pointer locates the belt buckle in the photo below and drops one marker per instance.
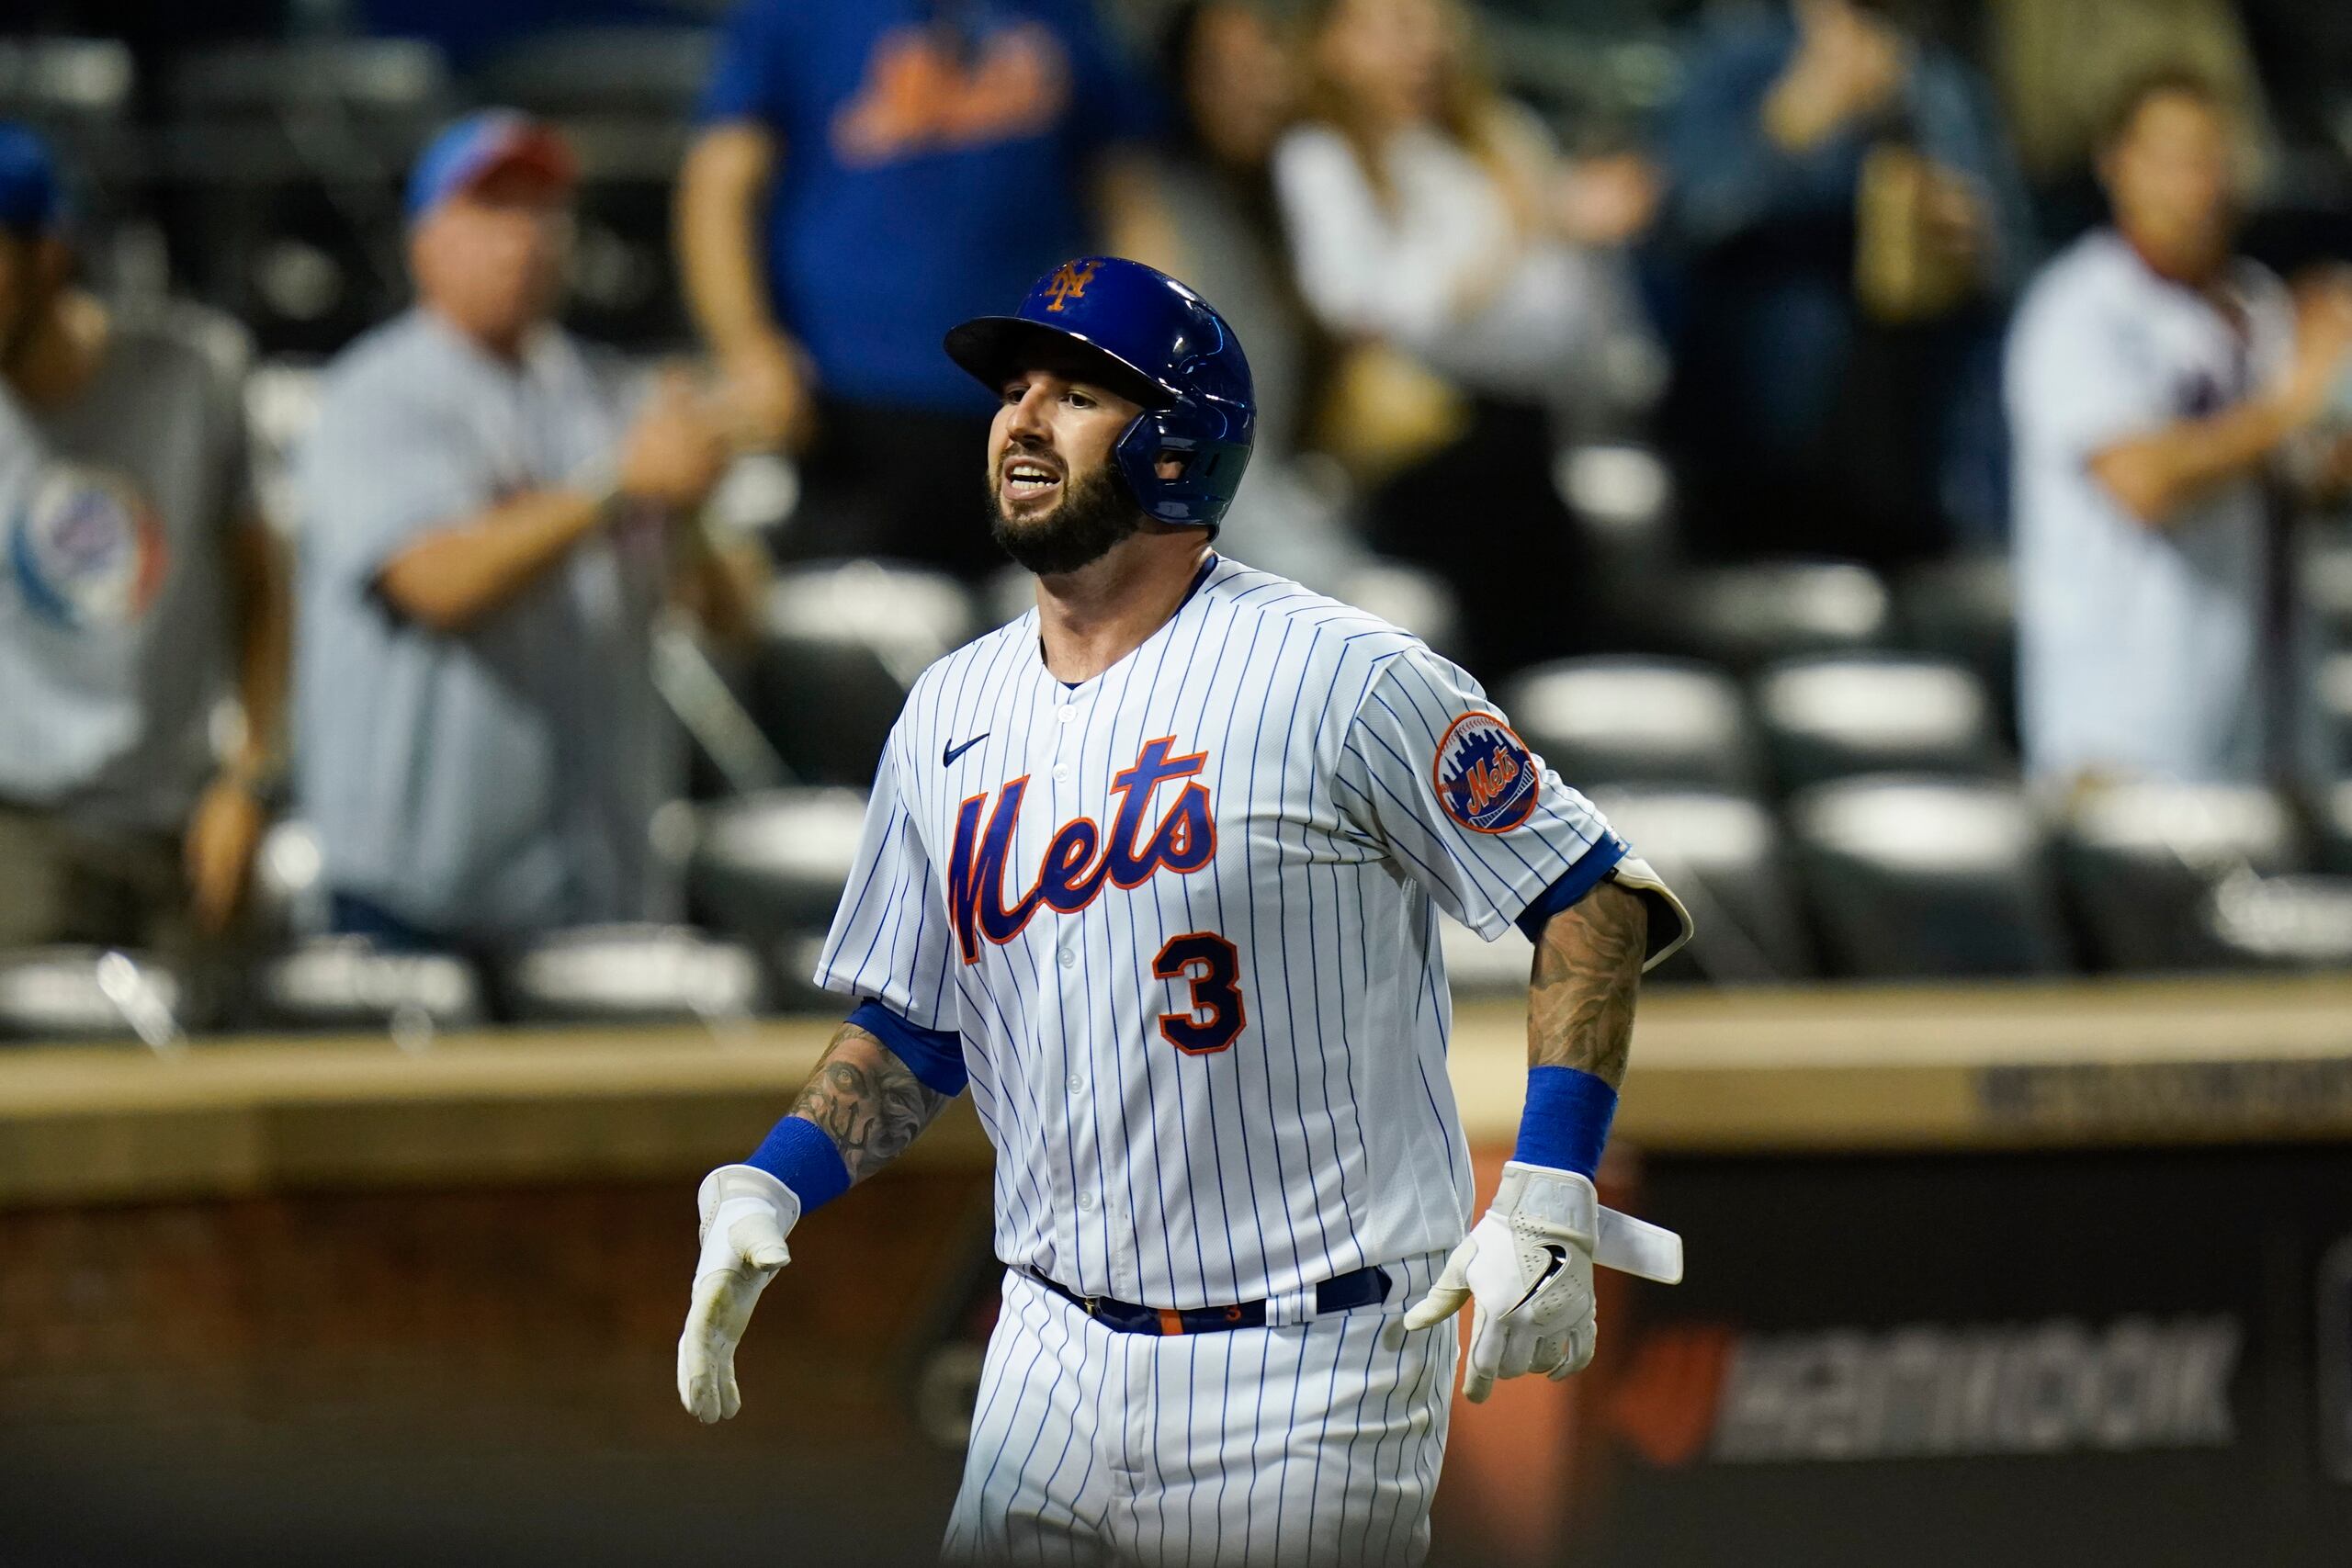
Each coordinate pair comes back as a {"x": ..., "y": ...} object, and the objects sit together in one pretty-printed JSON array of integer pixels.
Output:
[{"x": 1092, "y": 1303}]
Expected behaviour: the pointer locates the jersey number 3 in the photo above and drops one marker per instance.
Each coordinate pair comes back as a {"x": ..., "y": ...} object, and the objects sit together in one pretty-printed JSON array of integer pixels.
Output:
[{"x": 1211, "y": 965}]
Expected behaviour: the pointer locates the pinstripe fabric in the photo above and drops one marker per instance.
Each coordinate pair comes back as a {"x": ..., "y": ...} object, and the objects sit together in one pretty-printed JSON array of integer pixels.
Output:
[
  {"x": 1303, "y": 837},
  {"x": 1183, "y": 917},
  {"x": 1272, "y": 1447}
]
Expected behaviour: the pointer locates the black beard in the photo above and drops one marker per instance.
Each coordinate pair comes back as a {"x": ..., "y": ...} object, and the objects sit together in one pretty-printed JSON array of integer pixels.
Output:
[{"x": 1094, "y": 516}]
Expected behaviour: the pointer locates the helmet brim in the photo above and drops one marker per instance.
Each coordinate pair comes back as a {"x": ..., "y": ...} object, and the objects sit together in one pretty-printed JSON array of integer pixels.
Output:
[{"x": 994, "y": 349}]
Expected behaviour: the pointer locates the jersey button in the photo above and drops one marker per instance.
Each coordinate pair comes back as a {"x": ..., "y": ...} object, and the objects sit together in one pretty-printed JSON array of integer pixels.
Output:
[
  {"x": 1086, "y": 1202},
  {"x": 1068, "y": 957},
  {"x": 1061, "y": 769},
  {"x": 1077, "y": 1083},
  {"x": 1067, "y": 713}
]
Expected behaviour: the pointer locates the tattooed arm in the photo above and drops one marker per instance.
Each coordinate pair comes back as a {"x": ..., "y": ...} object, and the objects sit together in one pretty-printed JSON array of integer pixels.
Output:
[
  {"x": 1580, "y": 996},
  {"x": 869, "y": 1106},
  {"x": 867, "y": 1101}
]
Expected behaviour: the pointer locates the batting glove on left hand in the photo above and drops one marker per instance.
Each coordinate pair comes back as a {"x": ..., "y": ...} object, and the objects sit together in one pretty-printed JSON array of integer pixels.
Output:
[
  {"x": 1528, "y": 1266},
  {"x": 746, "y": 1214}
]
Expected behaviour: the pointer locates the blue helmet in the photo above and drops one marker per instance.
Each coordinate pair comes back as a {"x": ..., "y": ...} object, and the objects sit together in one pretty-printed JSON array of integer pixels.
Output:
[{"x": 1148, "y": 337}]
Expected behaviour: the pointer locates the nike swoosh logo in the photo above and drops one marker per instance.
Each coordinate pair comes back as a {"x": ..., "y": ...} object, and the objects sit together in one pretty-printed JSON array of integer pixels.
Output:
[
  {"x": 949, "y": 753},
  {"x": 1559, "y": 1261}
]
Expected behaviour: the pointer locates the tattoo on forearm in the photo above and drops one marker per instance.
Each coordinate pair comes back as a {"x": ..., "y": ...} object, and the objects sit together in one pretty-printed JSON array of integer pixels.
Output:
[
  {"x": 867, "y": 1101},
  {"x": 1580, "y": 996}
]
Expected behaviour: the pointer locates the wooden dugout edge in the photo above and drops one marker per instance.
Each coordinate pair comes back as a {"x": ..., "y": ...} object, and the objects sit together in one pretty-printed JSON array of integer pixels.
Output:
[{"x": 1825, "y": 1070}]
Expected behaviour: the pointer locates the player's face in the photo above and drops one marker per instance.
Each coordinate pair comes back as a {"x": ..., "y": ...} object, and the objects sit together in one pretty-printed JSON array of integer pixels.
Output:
[
  {"x": 1056, "y": 505},
  {"x": 493, "y": 257},
  {"x": 2172, "y": 179}
]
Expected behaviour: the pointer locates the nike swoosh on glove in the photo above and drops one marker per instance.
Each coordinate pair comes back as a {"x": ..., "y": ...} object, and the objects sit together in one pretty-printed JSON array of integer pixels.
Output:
[
  {"x": 746, "y": 1214},
  {"x": 1528, "y": 1267}
]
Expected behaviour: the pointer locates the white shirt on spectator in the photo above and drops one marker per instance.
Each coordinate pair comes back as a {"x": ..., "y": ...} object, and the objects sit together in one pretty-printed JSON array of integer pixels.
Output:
[
  {"x": 2141, "y": 647},
  {"x": 1399, "y": 270}
]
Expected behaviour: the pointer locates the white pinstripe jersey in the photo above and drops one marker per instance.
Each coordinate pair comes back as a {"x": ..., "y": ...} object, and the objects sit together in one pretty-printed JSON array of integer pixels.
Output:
[{"x": 1183, "y": 917}]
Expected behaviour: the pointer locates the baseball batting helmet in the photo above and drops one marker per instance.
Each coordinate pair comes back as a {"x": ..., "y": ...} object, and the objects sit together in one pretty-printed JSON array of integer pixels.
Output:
[{"x": 1148, "y": 337}]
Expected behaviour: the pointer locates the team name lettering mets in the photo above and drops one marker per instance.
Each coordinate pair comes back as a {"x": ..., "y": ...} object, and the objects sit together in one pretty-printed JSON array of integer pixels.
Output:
[{"x": 1081, "y": 857}]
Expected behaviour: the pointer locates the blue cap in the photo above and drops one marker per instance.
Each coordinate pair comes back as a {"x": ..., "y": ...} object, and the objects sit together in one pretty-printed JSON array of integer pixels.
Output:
[
  {"x": 31, "y": 201},
  {"x": 471, "y": 149}
]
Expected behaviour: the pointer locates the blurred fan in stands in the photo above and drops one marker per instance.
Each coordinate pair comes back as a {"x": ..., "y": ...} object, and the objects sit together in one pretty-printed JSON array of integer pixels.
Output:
[
  {"x": 868, "y": 176},
  {"x": 1236, "y": 90},
  {"x": 2155, "y": 382},
  {"x": 1844, "y": 221},
  {"x": 1472, "y": 276},
  {"x": 140, "y": 590},
  {"x": 493, "y": 517}
]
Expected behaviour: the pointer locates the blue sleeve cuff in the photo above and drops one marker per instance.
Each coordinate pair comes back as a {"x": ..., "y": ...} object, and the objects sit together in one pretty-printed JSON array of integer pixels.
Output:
[
  {"x": 1574, "y": 883},
  {"x": 1565, "y": 1121},
  {"x": 802, "y": 1156},
  {"x": 935, "y": 1057}
]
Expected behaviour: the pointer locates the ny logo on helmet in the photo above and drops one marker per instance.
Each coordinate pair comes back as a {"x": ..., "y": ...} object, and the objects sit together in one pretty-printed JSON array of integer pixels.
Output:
[{"x": 1069, "y": 282}]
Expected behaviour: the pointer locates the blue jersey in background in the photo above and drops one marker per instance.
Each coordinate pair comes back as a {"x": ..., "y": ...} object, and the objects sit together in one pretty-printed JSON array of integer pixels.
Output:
[{"x": 935, "y": 159}]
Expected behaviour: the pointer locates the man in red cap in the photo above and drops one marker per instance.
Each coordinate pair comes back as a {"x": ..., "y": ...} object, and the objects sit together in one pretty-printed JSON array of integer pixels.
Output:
[{"x": 493, "y": 517}]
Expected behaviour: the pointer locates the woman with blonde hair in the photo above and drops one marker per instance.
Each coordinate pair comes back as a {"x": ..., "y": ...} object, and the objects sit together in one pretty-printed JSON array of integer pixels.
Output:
[{"x": 1431, "y": 218}]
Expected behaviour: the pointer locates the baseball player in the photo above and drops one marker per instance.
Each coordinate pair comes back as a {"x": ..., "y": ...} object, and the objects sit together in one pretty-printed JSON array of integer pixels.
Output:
[{"x": 1155, "y": 873}]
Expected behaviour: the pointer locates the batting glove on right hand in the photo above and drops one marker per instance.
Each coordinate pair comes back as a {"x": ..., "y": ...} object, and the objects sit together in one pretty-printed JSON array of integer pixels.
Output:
[
  {"x": 1528, "y": 1267},
  {"x": 746, "y": 1214}
]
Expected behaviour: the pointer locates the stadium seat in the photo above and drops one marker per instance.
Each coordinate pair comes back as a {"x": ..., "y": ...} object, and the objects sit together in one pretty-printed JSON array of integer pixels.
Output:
[
  {"x": 2282, "y": 922},
  {"x": 89, "y": 995},
  {"x": 842, "y": 645},
  {"x": 1477, "y": 968},
  {"x": 2328, "y": 579},
  {"x": 1625, "y": 719},
  {"x": 1921, "y": 877},
  {"x": 1747, "y": 616},
  {"x": 2335, "y": 701},
  {"x": 2333, "y": 852},
  {"x": 288, "y": 898},
  {"x": 632, "y": 975},
  {"x": 2138, "y": 859},
  {"x": 1403, "y": 595},
  {"x": 770, "y": 864},
  {"x": 1964, "y": 609},
  {"x": 649, "y": 72},
  {"x": 344, "y": 982},
  {"x": 1828, "y": 716},
  {"x": 1722, "y": 856},
  {"x": 282, "y": 177}
]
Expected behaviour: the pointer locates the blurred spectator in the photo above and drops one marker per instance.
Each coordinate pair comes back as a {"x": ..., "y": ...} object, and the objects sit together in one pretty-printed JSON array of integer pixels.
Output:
[
  {"x": 2062, "y": 67},
  {"x": 141, "y": 588},
  {"x": 2154, "y": 380},
  {"x": 487, "y": 533},
  {"x": 1430, "y": 219},
  {"x": 868, "y": 176},
  {"x": 1846, "y": 221},
  {"x": 1236, "y": 91}
]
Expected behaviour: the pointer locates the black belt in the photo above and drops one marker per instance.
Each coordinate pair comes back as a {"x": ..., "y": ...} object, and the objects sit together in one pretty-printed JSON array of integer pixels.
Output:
[{"x": 1362, "y": 1288}]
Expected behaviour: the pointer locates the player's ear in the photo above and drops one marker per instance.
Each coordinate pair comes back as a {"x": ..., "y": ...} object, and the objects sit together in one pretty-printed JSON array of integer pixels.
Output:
[{"x": 1170, "y": 466}]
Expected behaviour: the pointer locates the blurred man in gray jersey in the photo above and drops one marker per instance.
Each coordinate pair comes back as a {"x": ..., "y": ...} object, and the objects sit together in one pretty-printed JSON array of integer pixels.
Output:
[
  {"x": 491, "y": 518},
  {"x": 139, "y": 587}
]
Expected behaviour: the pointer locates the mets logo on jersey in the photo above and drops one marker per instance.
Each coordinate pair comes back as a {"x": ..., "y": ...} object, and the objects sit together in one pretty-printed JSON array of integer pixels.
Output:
[
  {"x": 87, "y": 550},
  {"x": 1485, "y": 776},
  {"x": 1069, "y": 283},
  {"x": 1081, "y": 857}
]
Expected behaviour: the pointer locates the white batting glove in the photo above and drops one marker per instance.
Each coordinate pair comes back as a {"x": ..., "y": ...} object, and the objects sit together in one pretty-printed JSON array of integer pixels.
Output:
[
  {"x": 746, "y": 1214},
  {"x": 1528, "y": 1267}
]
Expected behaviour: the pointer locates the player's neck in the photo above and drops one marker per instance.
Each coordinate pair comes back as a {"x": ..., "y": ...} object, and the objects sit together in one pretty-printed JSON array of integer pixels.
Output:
[{"x": 1089, "y": 619}]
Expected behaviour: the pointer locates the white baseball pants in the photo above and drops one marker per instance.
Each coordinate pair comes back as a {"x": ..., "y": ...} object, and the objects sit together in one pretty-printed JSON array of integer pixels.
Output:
[{"x": 1291, "y": 1447}]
